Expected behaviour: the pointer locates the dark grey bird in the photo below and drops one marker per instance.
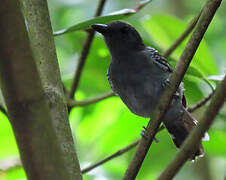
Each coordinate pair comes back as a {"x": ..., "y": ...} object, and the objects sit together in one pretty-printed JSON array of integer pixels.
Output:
[{"x": 139, "y": 74}]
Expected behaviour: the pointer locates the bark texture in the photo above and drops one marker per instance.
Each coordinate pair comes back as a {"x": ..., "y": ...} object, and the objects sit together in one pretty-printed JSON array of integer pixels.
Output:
[
  {"x": 28, "y": 108},
  {"x": 42, "y": 43}
]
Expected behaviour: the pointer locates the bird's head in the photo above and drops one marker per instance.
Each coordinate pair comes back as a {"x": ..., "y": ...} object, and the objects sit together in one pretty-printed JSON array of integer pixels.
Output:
[{"x": 120, "y": 37}]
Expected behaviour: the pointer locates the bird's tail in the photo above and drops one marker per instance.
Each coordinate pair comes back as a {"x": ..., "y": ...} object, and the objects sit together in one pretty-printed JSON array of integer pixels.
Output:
[{"x": 180, "y": 129}]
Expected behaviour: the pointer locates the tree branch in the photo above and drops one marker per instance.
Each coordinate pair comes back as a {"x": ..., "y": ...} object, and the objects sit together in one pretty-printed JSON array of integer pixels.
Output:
[
  {"x": 73, "y": 103},
  {"x": 175, "y": 79},
  {"x": 85, "y": 52},
  {"x": 193, "y": 140},
  {"x": 116, "y": 154},
  {"x": 200, "y": 103},
  {"x": 27, "y": 105},
  {"x": 44, "y": 52},
  {"x": 181, "y": 38}
]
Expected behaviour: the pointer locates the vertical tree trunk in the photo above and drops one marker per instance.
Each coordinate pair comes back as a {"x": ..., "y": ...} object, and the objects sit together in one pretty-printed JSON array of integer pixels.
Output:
[
  {"x": 39, "y": 145},
  {"x": 44, "y": 52}
]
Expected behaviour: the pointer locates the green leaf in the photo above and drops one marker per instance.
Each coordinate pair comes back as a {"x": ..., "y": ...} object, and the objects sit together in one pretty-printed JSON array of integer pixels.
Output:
[
  {"x": 193, "y": 89},
  {"x": 196, "y": 72},
  {"x": 217, "y": 138},
  {"x": 16, "y": 173},
  {"x": 164, "y": 29},
  {"x": 121, "y": 14}
]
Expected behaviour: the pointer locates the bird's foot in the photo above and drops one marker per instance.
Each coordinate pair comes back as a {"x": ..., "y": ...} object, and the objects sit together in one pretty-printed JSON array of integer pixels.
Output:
[
  {"x": 145, "y": 135},
  {"x": 166, "y": 83}
]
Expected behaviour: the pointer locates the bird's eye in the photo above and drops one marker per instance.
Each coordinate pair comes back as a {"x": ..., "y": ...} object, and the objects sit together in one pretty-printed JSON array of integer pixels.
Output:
[{"x": 124, "y": 30}]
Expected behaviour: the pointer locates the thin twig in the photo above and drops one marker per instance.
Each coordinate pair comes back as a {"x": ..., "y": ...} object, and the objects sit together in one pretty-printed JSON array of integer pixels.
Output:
[
  {"x": 192, "y": 142},
  {"x": 181, "y": 38},
  {"x": 175, "y": 79},
  {"x": 73, "y": 103},
  {"x": 116, "y": 154},
  {"x": 200, "y": 103},
  {"x": 85, "y": 52},
  {"x": 81, "y": 62}
]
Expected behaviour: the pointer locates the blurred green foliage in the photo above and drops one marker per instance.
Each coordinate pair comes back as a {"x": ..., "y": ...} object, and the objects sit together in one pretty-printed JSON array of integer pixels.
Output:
[{"x": 103, "y": 128}]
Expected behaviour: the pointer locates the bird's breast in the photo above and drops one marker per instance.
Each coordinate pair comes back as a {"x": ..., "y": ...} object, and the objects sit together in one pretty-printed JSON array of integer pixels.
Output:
[{"x": 138, "y": 89}]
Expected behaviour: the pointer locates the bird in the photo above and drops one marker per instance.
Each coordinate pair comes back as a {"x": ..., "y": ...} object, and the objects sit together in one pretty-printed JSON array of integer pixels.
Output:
[{"x": 138, "y": 74}]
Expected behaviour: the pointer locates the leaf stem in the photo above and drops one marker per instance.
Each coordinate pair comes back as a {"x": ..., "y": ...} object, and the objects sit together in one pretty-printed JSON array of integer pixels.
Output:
[
  {"x": 200, "y": 103},
  {"x": 73, "y": 103}
]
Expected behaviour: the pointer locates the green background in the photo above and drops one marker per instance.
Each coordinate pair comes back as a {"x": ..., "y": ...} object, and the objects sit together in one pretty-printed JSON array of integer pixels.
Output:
[{"x": 103, "y": 128}]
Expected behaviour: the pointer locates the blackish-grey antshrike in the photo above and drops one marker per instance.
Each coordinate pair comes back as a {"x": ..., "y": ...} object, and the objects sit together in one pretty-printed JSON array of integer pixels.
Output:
[{"x": 139, "y": 74}]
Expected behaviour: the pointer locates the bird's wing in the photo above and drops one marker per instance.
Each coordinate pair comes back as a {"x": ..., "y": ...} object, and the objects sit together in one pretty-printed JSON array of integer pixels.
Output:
[{"x": 159, "y": 60}]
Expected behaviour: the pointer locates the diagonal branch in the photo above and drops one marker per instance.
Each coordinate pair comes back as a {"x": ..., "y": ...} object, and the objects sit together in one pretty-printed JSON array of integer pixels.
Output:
[
  {"x": 73, "y": 103},
  {"x": 181, "y": 38},
  {"x": 175, "y": 79},
  {"x": 192, "y": 142},
  {"x": 200, "y": 103},
  {"x": 130, "y": 146},
  {"x": 85, "y": 52}
]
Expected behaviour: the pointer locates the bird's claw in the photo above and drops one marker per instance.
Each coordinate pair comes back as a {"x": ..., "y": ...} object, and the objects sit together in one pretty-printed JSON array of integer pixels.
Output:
[{"x": 145, "y": 135}]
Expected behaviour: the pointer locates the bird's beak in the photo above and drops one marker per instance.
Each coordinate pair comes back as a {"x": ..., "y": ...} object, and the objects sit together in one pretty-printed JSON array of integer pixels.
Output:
[{"x": 101, "y": 28}]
